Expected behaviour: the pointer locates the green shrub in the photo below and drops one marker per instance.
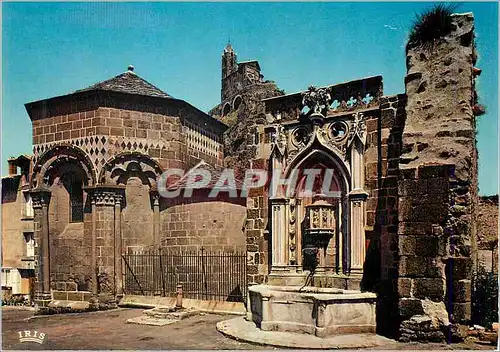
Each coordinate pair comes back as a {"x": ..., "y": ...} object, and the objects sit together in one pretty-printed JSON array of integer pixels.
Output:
[
  {"x": 431, "y": 26},
  {"x": 485, "y": 298}
]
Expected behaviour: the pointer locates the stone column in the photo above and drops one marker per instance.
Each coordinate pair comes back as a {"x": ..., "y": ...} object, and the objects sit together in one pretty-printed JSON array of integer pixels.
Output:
[
  {"x": 41, "y": 198},
  {"x": 108, "y": 241},
  {"x": 156, "y": 219},
  {"x": 357, "y": 197},
  {"x": 437, "y": 186},
  {"x": 118, "y": 247},
  {"x": 298, "y": 237},
  {"x": 279, "y": 234},
  {"x": 94, "y": 245},
  {"x": 357, "y": 221}
]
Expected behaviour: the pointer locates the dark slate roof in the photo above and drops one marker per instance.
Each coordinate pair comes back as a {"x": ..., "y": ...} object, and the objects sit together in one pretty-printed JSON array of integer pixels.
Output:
[{"x": 128, "y": 82}]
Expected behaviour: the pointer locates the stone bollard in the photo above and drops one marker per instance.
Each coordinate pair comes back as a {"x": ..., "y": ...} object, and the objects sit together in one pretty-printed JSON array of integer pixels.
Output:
[{"x": 178, "y": 302}]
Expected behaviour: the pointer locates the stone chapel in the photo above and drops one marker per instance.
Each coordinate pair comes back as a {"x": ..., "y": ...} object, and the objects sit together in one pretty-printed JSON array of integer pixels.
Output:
[{"x": 404, "y": 170}]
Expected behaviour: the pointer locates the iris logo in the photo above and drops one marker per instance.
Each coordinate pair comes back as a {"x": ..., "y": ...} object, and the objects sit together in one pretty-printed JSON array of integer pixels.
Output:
[{"x": 32, "y": 336}]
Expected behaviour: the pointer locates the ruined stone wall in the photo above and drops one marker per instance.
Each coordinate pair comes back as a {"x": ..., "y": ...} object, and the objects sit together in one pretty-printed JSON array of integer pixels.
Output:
[
  {"x": 438, "y": 186},
  {"x": 381, "y": 158},
  {"x": 383, "y": 148},
  {"x": 257, "y": 232},
  {"x": 216, "y": 224},
  {"x": 241, "y": 140}
]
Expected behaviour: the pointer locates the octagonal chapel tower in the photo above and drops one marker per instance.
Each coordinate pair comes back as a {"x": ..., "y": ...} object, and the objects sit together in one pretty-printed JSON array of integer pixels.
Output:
[{"x": 98, "y": 153}]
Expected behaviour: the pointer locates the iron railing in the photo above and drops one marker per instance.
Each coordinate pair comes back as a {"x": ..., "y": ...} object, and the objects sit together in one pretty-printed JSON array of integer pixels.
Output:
[
  {"x": 203, "y": 275},
  {"x": 76, "y": 211}
]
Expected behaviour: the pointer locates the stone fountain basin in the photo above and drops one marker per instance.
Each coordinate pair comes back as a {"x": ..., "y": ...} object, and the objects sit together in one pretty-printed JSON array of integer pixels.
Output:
[{"x": 311, "y": 310}]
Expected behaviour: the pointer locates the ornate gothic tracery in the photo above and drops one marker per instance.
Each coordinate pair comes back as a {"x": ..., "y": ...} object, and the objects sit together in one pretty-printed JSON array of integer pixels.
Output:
[{"x": 328, "y": 142}]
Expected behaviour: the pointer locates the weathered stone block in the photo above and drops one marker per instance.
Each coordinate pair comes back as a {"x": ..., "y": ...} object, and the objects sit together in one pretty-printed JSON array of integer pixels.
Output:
[
  {"x": 409, "y": 307},
  {"x": 413, "y": 266},
  {"x": 60, "y": 295},
  {"x": 427, "y": 246},
  {"x": 462, "y": 291},
  {"x": 433, "y": 288},
  {"x": 75, "y": 296},
  {"x": 407, "y": 245},
  {"x": 414, "y": 228},
  {"x": 461, "y": 312},
  {"x": 404, "y": 287},
  {"x": 461, "y": 268},
  {"x": 435, "y": 171}
]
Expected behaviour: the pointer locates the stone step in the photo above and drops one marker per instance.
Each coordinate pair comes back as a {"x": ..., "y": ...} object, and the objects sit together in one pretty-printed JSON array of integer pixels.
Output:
[
  {"x": 146, "y": 320},
  {"x": 169, "y": 313}
]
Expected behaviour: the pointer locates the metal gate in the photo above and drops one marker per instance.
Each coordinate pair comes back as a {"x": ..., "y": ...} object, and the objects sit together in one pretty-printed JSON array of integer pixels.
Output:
[{"x": 203, "y": 275}]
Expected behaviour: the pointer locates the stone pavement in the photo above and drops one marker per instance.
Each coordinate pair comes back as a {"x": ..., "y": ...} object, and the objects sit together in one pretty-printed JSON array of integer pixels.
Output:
[
  {"x": 243, "y": 330},
  {"x": 109, "y": 330}
]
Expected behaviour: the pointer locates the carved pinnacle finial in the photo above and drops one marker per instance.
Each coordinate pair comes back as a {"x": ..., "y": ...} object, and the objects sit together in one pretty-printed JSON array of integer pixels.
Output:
[
  {"x": 316, "y": 99},
  {"x": 229, "y": 47}
]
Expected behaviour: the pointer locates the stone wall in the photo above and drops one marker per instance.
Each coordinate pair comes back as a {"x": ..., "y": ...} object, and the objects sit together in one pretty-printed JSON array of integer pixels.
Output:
[
  {"x": 106, "y": 132},
  {"x": 137, "y": 215},
  {"x": 383, "y": 148},
  {"x": 171, "y": 131},
  {"x": 12, "y": 225},
  {"x": 438, "y": 186},
  {"x": 257, "y": 231},
  {"x": 216, "y": 224},
  {"x": 487, "y": 233}
]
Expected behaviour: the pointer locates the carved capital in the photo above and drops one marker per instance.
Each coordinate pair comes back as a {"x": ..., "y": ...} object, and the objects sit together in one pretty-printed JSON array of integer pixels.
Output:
[
  {"x": 357, "y": 196},
  {"x": 107, "y": 196},
  {"x": 40, "y": 197}
]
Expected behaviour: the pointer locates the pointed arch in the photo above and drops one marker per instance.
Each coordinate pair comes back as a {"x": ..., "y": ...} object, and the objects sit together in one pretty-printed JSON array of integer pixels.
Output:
[{"x": 316, "y": 147}]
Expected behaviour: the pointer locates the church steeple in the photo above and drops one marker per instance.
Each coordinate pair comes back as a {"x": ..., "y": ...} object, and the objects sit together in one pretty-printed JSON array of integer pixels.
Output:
[{"x": 229, "y": 63}]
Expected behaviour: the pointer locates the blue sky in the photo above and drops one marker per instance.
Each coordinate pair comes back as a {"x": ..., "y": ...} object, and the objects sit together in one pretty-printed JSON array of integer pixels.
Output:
[{"x": 51, "y": 49}]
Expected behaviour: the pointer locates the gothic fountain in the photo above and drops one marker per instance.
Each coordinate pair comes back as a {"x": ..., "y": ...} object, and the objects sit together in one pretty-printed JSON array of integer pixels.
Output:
[
  {"x": 312, "y": 297},
  {"x": 319, "y": 311}
]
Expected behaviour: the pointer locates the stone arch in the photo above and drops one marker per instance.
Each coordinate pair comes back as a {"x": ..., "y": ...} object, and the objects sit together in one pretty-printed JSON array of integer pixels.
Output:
[
  {"x": 226, "y": 109},
  {"x": 118, "y": 169},
  {"x": 335, "y": 252},
  {"x": 62, "y": 156},
  {"x": 341, "y": 173},
  {"x": 237, "y": 102},
  {"x": 313, "y": 148}
]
